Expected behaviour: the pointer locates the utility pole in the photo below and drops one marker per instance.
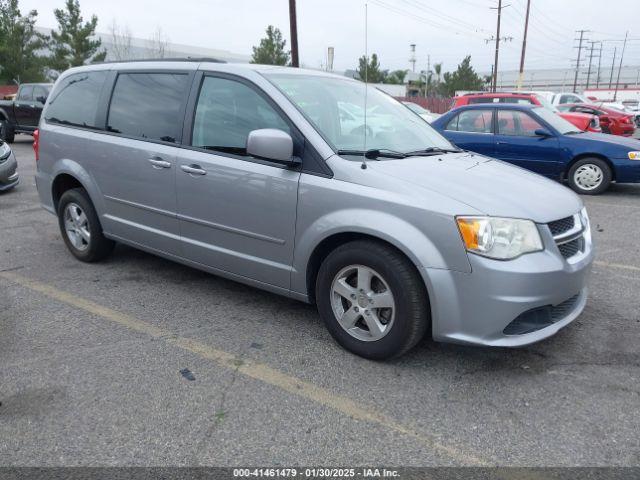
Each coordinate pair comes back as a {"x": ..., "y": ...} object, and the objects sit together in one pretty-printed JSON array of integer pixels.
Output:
[
  {"x": 575, "y": 80},
  {"x": 293, "y": 25},
  {"x": 599, "y": 63},
  {"x": 624, "y": 45},
  {"x": 495, "y": 62},
  {"x": 590, "y": 61},
  {"x": 524, "y": 47},
  {"x": 613, "y": 66}
]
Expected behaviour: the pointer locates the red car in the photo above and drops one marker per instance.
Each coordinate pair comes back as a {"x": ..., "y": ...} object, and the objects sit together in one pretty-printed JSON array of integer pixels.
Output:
[
  {"x": 585, "y": 122},
  {"x": 612, "y": 121}
]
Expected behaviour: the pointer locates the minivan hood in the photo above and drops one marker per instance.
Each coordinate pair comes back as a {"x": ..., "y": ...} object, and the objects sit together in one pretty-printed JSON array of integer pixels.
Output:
[{"x": 490, "y": 186}]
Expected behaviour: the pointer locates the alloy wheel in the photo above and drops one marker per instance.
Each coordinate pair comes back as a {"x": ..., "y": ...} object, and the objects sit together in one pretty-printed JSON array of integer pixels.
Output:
[
  {"x": 76, "y": 226},
  {"x": 363, "y": 303}
]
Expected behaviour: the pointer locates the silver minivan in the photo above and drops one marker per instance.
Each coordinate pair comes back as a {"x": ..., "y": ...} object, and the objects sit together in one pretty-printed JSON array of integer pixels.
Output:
[{"x": 316, "y": 187}]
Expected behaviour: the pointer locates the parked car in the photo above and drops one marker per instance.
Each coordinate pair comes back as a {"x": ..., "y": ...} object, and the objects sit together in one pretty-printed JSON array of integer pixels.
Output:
[
  {"x": 569, "y": 97},
  {"x": 615, "y": 122},
  {"x": 538, "y": 140},
  {"x": 425, "y": 114},
  {"x": 23, "y": 114},
  {"x": 583, "y": 121},
  {"x": 244, "y": 171},
  {"x": 8, "y": 168}
]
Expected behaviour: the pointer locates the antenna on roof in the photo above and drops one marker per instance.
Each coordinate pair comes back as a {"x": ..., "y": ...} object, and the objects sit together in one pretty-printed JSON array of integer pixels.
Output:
[{"x": 366, "y": 86}]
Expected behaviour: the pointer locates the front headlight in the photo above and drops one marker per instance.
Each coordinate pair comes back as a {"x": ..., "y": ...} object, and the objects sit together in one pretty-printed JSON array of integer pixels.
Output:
[
  {"x": 634, "y": 155},
  {"x": 5, "y": 151},
  {"x": 499, "y": 238}
]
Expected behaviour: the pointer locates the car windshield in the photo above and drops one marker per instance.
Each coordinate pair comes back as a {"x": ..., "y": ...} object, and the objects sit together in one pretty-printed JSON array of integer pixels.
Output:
[
  {"x": 336, "y": 107},
  {"x": 556, "y": 121}
]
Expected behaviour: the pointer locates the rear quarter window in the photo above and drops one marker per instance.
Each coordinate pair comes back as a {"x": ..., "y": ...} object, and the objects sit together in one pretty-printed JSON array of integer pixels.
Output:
[{"x": 74, "y": 100}]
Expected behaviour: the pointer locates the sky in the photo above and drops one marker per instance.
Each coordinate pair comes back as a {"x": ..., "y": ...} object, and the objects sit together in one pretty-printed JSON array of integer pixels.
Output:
[{"x": 443, "y": 30}]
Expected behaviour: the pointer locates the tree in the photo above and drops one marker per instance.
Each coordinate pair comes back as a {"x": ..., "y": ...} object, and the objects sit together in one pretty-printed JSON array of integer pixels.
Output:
[
  {"x": 396, "y": 77},
  {"x": 464, "y": 78},
  {"x": 271, "y": 49},
  {"x": 437, "y": 68},
  {"x": 120, "y": 42},
  {"x": 158, "y": 44},
  {"x": 73, "y": 43},
  {"x": 19, "y": 44},
  {"x": 370, "y": 72}
]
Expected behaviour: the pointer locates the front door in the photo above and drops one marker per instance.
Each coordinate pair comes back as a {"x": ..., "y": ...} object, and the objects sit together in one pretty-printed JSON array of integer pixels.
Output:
[
  {"x": 236, "y": 213},
  {"x": 517, "y": 143}
]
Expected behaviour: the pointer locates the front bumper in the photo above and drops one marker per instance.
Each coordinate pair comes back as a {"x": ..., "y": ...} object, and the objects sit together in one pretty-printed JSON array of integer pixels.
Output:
[
  {"x": 8, "y": 173},
  {"x": 475, "y": 308}
]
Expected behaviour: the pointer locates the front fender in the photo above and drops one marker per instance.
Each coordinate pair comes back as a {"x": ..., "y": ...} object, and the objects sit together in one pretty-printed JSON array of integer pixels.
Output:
[{"x": 406, "y": 237}]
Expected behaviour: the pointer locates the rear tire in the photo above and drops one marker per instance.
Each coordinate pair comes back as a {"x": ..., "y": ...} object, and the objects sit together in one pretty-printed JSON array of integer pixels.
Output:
[
  {"x": 80, "y": 227},
  {"x": 589, "y": 176},
  {"x": 7, "y": 133},
  {"x": 372, "y": 300}
]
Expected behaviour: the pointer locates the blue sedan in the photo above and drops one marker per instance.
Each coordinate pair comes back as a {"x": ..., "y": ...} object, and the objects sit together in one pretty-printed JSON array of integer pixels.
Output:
[{"x": 537, "y": 139}]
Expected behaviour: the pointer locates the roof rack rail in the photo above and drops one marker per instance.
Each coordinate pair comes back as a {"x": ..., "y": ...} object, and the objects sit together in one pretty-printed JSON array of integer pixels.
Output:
[{"x": 176, "y": 59}]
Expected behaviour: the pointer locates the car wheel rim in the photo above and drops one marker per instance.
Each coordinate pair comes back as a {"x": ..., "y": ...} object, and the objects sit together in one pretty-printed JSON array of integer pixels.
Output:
[
  {"x": 588, "y": 176},
  {"x": 363, "y": 303},
  {"x": 76, "y": 226}
]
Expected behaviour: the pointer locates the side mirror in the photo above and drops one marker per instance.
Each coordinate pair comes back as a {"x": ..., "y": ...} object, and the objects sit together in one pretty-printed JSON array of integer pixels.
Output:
[
  {"x": 42, "y": 99},
  {"x": 541, "y": 132},
  {"x": 271, "y": 144}
]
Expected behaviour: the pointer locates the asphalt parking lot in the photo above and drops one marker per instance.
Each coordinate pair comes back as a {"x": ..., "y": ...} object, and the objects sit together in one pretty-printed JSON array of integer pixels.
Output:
[{"x": 91, "y": 358}]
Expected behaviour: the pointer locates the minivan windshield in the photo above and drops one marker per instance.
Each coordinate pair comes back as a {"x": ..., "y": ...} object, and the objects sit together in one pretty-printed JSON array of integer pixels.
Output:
[{"x": 336, "y": 107}]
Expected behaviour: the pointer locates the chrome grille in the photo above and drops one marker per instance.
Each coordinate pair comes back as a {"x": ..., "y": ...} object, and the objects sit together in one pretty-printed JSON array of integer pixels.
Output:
[
  {"x": 571, "y": 248},
  {"x": 568, "y": 233},
  {"x": 561, "y": 226}
]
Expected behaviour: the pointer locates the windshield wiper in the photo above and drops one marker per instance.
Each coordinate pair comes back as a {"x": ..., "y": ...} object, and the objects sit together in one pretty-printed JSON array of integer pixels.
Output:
[
  {"x": 573, "y": 132},
  {"x": 432, "y": 151},
  {"x": 374, "y": 153}
]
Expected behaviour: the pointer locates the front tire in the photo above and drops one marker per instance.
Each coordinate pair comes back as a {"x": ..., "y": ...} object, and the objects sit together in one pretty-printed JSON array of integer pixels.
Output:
[
  {"x": 372, "y": 300},
  {"x": 80, "y": 227},
  {"x": 589, "y": 176}
]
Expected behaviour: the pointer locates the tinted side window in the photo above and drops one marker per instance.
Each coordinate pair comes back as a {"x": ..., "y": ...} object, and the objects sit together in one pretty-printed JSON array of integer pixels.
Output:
[
  {"x": 474, "y": 121},
  {"x": 515, "y": 123},
  {"x": 39, "y": 93},
  {"x": 227, "y": 111},
  {"x": 148, "y": 105},
  {"x": 26, "y": 93},
  {"x": 75, "y": 100}
]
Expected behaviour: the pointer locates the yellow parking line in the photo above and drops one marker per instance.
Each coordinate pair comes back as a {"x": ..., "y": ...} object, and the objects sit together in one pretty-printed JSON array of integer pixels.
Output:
[
  {"x": 633, "y": 268},
  {"x": 250, "y": 369}
]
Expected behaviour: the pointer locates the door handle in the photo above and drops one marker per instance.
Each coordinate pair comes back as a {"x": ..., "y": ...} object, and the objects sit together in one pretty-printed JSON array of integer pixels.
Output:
[
  {"x": 193, "y": 169},
  {"x": 157, "y": 162},
  {"x": 501, "y": 143}
]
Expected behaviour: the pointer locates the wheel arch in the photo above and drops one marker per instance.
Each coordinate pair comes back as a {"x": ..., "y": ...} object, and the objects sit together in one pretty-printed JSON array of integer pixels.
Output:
[
  {"x": 589, "y": 155},
  {"x": 60, "y": 184},
  {"x": 331, "y": 242}
]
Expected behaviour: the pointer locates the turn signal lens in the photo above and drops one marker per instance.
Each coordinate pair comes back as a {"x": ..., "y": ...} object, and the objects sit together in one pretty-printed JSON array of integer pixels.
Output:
[{"x": 634, "y": 155}]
